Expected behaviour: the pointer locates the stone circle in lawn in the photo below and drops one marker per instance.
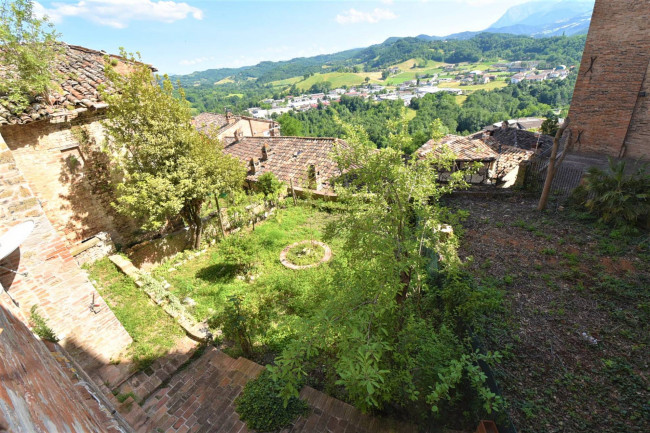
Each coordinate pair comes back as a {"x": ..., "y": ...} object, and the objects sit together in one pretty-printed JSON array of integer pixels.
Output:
[{"x": 327, "y": 256}]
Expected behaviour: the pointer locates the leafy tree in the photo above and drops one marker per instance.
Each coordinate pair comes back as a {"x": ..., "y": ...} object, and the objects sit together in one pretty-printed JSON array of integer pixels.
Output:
[
  {"x": 290, "y": 126},
  {"x": 168, "y": 167},
  {"x": 550, "y": 125},
  {"x": 28, "y": 44},
  {"x": 393, "y": 328}
]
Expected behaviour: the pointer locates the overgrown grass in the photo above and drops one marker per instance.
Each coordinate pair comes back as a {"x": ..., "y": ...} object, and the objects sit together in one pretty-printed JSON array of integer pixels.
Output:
[
  {"x": 154, "y": 333},
  {"x": 246, "y": 266}
]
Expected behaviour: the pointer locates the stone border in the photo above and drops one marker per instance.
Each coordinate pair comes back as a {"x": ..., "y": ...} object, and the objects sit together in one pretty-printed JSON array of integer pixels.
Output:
[{"x": 286, "y": 263}]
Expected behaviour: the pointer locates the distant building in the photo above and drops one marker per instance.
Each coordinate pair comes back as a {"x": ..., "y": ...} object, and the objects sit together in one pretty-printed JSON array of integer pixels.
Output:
[{"x": 228, "y": 126}]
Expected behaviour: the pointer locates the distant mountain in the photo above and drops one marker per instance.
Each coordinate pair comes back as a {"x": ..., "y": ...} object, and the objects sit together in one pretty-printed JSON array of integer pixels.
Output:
[
  {"x": 546, "y": 18},
  {"x": 537, "y": 19}
]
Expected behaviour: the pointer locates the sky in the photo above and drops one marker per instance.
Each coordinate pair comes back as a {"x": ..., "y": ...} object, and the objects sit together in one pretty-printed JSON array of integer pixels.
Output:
[{"x": 179, "y": 37}]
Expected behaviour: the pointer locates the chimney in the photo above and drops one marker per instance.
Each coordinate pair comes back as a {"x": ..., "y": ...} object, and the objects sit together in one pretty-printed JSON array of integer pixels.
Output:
[
  {"x": 229, "y": 117},
  {"x": 251, "y": 166},
  {"x": 238, "y": 136},
  {"x": 504, "y": 125},
  {"x": 265, "y": 154}
]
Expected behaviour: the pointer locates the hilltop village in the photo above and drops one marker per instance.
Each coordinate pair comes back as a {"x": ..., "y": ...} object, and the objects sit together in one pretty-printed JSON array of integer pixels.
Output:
[{"x": 169, "y": 270}]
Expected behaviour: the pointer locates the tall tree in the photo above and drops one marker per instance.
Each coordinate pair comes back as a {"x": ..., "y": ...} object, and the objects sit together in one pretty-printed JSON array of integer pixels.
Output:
[
  {"x": 28, "y": 49},
  {"x": 383, "y": 336},
  {"x": 168, "y": 167}
]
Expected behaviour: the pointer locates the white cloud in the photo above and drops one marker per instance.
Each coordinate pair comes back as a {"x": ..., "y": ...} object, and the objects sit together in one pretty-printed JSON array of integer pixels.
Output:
[
  {"x": 195, "y": 61},
  {"x": 118, "y": 13},
  {"x": 354, "y": 16}
]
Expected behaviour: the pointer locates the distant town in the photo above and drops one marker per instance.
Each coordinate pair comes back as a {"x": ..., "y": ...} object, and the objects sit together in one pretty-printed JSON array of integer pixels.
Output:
[{"x": 454, "y": 78}]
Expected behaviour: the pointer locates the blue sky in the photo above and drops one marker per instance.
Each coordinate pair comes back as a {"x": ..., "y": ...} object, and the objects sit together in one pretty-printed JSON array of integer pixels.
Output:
[{"x": 186, "y": 36}]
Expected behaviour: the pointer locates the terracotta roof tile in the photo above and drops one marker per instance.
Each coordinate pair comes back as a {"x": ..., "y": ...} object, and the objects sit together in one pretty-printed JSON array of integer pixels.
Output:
[
  {"x": 289, "y": 158},
  {"x": 520, "y": 138},
  {"x": 81, "y": 72},
  {"x": 465, "y": 148}
]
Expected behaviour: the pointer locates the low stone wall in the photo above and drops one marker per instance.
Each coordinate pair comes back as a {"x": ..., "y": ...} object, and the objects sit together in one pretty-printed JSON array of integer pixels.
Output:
[{"x": 150, "y": 253}]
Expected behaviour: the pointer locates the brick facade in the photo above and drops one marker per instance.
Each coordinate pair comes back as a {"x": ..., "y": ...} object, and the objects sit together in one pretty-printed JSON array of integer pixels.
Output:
[
  {"x": 54, "y": 281},
  {"x": 36, "y": 394},
  {"x": 610, "y": 113},
  {"x": 65, "y": 176}
]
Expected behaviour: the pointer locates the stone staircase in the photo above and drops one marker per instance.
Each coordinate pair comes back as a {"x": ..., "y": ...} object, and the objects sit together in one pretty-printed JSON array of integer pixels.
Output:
[{"x": 199, "y": 398}]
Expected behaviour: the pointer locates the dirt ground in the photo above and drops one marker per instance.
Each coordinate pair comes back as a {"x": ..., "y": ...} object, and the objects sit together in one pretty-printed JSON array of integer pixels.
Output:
[{"x": 574, "y": 332}]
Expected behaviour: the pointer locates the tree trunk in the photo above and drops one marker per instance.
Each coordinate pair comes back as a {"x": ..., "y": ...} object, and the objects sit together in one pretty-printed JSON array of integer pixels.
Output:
[
  {"x": 192, "y": 215},
  {"x": 553, "y": 163},
  {"x": 223, "y": 232}
]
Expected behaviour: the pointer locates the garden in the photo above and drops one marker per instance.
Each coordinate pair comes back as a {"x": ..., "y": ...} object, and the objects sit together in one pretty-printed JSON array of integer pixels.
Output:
[{"x": 244, "y": 273}]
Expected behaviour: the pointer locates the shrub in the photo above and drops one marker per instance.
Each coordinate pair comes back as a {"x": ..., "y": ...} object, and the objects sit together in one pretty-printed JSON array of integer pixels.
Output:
[
  {"x": 262, "y": 409},
  {"x": 40, "y": 326},
  {"x": 270, "y": 186},
  {"x": 616, "y": 197}
]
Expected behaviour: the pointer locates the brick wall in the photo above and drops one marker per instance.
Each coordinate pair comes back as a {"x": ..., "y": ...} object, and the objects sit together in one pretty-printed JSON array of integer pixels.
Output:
[
  {"x": 607, "y": 107},
  {"x": 54, "y": 281},
  {"x": 35, "y": 393},
  {"x": 66, "y": 177}
]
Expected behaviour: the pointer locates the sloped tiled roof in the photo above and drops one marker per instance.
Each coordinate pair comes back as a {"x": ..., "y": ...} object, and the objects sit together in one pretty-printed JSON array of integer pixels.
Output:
[
  {"x": 81, "y": 72},
  {"x": 465, "y": 148},
  {"x": 204, "y": 122},
  {"x": 509, "y": 157},
  {"x": 520, "y": 138},
  {"x": 289, "y": 158},
  {"x": 219, "y": 124}
]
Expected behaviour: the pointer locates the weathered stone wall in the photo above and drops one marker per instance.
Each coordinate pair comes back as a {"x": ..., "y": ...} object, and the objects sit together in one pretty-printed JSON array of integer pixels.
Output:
[
  {"x": 609, "y": 112},
  {"x": 54, "y": 281},
  {"x": 68, "y": 177},
  {"x": 35, "y": 393}
]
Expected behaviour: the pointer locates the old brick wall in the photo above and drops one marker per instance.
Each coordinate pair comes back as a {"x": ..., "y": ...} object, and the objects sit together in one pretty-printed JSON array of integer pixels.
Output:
[
  {"x": 35, "y": 393},
  {"x": 607, "y": 107},
  {"x": 54, "y": 281},
  {"x": 68, "y": 178}
]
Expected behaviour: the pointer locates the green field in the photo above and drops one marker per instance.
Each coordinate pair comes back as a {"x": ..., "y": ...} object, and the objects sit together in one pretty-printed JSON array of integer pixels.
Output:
[{"x": 472, "y": 88}]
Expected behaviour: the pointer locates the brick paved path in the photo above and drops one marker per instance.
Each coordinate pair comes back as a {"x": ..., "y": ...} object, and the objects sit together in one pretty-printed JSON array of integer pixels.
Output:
[{"x": 201, "y": 399}]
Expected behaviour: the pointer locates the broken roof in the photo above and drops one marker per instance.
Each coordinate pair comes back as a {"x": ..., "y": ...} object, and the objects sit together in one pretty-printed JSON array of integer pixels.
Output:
[
  {"x": 289, "y": 158},
  {"x": 464, "y": 148},
  {"x": 520, "y": 138},
  {"x": 81, "y": 72}
]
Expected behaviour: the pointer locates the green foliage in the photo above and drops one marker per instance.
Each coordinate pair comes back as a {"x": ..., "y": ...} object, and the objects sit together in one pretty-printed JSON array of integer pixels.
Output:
[
  {"x": 305, "y": 254},
  {"x": 234, "y": 323},
  {"x": 616, "y": 197},
  {"x": 154, "y": 333},
  {"x": 29, "y": 49},
  {"x": 261, "y": 408},
  {"x": 290, "y": 126},
  {"x": 40, "y": 326},
  {"x": 400, "y": 301},
  {"x": 168, "y": 167},
  {"x": 550, "y": 125},
  {"x": 270, "y": 186}
]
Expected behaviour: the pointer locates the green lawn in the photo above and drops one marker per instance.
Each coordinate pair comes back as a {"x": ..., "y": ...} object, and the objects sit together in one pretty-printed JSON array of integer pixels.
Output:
[
  {"x": 498, "y": 84},
  {"x": 154, "y": 333},
  {"x": 247, "y": 265},
  {"x": 337, "y": 79}
]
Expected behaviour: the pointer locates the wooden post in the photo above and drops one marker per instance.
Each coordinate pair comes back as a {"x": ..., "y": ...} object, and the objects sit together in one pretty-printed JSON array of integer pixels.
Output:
[
  {"x": 223, "y": 232},
  {"x": 554, "y": 162},
  {"x": 293, "y": 192}
]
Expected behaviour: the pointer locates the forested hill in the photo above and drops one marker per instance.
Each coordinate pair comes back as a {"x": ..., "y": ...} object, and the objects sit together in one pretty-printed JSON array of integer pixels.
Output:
[{"x": 487, "y": 46}]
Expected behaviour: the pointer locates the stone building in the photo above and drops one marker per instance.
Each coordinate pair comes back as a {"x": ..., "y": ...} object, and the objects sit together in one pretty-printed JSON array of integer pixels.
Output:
[
  {"x": 227, "y": 127},
  {"x": 305, "y": 161},
  {"x": 50, "y": 174},
  {"x": 610, "y": 111}
]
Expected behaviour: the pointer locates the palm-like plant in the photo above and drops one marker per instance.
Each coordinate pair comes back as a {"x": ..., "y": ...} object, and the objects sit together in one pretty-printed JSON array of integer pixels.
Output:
[{"x": 617, "y": 197}]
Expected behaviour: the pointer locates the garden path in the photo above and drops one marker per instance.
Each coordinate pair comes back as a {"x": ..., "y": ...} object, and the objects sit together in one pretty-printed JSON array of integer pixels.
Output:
[{"x": 200, "y": 398}]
